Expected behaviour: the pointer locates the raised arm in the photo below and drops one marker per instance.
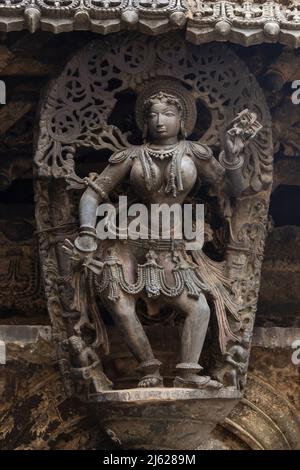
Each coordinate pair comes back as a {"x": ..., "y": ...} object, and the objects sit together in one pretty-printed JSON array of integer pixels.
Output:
[
  {"x": 225, "y": 174},
  {"x": 244, "y": 128},
  {"x": 208, "y": 167},
  {"x": 232, "y": 161}
]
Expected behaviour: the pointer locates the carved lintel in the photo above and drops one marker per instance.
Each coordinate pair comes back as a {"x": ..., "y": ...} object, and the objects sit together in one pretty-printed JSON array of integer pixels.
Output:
[{"x": 246, "y": 22}]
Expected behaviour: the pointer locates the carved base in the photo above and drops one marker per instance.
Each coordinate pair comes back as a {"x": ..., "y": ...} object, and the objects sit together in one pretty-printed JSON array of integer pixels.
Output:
[{"x": 162, "y": 418}]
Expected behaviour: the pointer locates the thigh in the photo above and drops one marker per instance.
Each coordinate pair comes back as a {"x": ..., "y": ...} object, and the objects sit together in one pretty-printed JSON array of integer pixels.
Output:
[
  {"x": 189, "y": 305},
  {"x": 122, "y": 308}
]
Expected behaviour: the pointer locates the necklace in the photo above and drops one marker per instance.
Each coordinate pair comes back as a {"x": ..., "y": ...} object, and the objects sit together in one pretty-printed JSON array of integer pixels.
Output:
[
  {"x": 175, "y": 153},
  {"x": 162, "y": 153}
]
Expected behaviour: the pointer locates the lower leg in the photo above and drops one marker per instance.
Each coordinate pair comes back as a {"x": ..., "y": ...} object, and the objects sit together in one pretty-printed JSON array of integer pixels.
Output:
[
  {"x": 138, "y": 343},
  {"x": 193, "y": 337}
]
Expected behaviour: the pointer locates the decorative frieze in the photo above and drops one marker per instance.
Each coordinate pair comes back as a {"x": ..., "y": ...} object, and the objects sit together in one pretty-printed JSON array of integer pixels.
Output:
[{"x": 247, "y": 22}]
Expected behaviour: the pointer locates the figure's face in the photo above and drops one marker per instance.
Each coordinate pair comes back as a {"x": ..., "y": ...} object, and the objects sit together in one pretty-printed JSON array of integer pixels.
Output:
[
  {"x": 163, "y": 121},
  {"x": 75, "y": 344}
]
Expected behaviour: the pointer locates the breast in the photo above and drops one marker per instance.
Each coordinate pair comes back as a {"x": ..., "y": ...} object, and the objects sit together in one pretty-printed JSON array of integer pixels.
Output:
[
  {"x": 188, "y": 173},
  {"x": 138, "y": 180},
  {"x": 160, "y": 174}
]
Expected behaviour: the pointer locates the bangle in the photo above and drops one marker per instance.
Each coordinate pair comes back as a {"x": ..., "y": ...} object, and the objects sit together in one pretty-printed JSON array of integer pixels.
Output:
[
  {"x": 238, "y": 163},
  {"x": 88, "y": 230},
  {"x": 84, "y": 250},
  {"x": 96, "y": 187},
  {"x": 85, "y": 232}
]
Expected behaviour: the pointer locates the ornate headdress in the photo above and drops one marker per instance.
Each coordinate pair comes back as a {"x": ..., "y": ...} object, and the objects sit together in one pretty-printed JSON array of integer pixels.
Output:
[{"x": 169, "y": 88}]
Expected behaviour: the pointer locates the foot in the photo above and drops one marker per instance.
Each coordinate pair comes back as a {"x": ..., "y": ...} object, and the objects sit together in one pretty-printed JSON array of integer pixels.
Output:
[
  {"x": 151, "y": 381},
  {"x": 197, "y": 381},
  {"x": 150, "y": 371}
]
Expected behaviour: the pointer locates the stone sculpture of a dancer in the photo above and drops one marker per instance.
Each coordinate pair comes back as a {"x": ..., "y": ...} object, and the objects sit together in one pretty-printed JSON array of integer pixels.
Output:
[{"x": 164, "y": 273}]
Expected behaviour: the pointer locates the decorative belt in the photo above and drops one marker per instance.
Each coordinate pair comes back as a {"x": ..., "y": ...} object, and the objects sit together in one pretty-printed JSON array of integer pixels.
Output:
[
  {"x": 150, "y": 277},
  {"x": 157, "y": 245}
]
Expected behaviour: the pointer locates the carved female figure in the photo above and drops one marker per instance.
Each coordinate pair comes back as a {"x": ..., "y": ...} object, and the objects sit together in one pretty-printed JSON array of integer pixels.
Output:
[{"x": 162, "y": 272}]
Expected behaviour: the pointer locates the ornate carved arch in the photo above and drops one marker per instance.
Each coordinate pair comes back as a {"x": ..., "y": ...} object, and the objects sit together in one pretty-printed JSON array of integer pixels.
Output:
[{"x": 78, "y": 104}]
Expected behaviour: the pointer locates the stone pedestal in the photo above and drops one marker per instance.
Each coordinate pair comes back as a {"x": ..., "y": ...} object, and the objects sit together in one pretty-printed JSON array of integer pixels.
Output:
[{"x": 162, "y": 418}]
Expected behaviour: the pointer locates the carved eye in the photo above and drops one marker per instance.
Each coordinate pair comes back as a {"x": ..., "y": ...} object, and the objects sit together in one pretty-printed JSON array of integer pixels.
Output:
[{"x": 169, "y": 114}]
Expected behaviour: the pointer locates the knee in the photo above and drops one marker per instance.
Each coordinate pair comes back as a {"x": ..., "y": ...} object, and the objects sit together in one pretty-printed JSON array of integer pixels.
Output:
[
  {"x": 203, "y": 309},
  {"x": 199, "y": 310},
  {"x": 122, "y": 312},
  {"x": 119, "y": 315}
]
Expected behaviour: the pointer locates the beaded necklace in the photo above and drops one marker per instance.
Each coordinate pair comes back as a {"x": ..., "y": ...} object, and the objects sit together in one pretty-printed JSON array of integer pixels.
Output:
[
  {"x": 175, "y": 152},
  {"x": 162, "y": 153}
]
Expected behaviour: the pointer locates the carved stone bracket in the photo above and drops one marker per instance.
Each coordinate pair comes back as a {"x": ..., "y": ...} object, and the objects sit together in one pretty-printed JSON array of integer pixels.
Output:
[
  {"x": 168, "y": 410},
  {"x": 81, "y": 111},
  {"x": 244, "y": 22},
  {"x": 264, "y": 419}
]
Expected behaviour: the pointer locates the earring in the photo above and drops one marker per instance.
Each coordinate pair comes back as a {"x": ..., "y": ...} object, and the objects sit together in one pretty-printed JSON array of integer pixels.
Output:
[
  {"x": 182, "y": 130},
  {"x": 145, "y": 133}
]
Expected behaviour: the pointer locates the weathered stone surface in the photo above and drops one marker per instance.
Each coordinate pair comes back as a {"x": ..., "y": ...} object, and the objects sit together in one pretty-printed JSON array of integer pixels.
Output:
[
  {"x": 284, "y": 69},
  {"x": 276, "y": 368},
  {"x": 275, "y": 337},
  {"x": 279, "y": 298},
  {"x": 11, "y": 113},
  {"x": 21, "y": 290},
  {"x": 287, "y": 172},
  {"x": 28, "y": 343},
  {"x": 163, "y": 418},
  {"x": 286, "y": 128},
  {"x": 36, "y": 414}
]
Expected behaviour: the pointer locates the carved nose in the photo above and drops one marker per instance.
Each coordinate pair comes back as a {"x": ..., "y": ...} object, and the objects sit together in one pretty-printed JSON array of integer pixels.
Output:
[{"x": 159, "y": 121}]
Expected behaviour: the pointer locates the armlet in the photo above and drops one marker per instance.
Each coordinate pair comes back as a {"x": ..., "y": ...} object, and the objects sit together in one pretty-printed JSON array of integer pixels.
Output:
[
  {"x": 120, "y": 157},
  {"x": 201, "y": 151}
]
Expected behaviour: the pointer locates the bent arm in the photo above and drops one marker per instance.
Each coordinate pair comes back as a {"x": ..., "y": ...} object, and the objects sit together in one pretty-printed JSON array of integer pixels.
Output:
[
  {"x": 223, "y": 175},
  {"x": 208, "y": 167},
  {"x": 234, "y": 183},
  {"x": 244, "y": 128},
  {"x": 87, "y": 207},
  {"x": 99, "y": 189}
]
